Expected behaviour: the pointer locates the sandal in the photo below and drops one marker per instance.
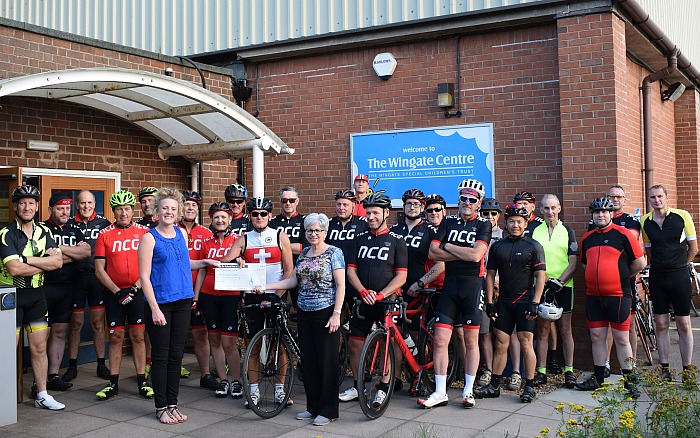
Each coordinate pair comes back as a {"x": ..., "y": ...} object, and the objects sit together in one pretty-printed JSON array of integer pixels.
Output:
[
  {"x": 164, "y": 416},
  {"x": 176, "y": 414}
]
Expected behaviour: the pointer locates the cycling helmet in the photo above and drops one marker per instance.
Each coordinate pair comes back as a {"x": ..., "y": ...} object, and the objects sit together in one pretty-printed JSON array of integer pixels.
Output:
[
  {"x": 147, "y": 191},
  {"x": 549, "y": 311},
  {"x": 220, "y": 206},
  {"x": 346, "y": 194},
  {"x": 435, "y": 199},
  {"x": 516, "y": 210},
  {"x": 413, "y": 194},
  {"x": 523, "y": 196},
  {"x": 599, "y": 204},
  {"x": 377, "y": 199},
  {"x": 236, "y": 191},
  {"x": 490, "y": 204},
  {"x": 191, "y": 195},
  {"x": 25, "y": 191},
  {"x": 122, "y": 197},
  {"x": 473, "y": 185},
  {"x": 259, "y": 204}
]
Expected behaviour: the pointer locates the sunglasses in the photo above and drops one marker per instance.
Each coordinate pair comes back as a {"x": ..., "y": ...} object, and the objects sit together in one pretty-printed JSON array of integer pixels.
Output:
[
  {"x": 469, "y": 199},
  {"x": 288, "y": 200},
  {"x": 35, "y": 249},
  {"x": 259, "y": 213},
  {"x": 433, "y": 210},
  {"x": 490, "y": 213},
  {"x": 236, "y": 201},
  {"x": 615, "y": 197},
  {"x": 311, "y": 232}
]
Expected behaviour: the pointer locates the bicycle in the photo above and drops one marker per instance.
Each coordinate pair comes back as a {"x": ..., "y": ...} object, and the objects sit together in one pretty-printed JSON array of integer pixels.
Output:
[
  {"x": 644, "y": 319},
  {"x": 695, "y": 283},
  {"x": 377, "y": 357},
  {"x": 270, "y": 360}
]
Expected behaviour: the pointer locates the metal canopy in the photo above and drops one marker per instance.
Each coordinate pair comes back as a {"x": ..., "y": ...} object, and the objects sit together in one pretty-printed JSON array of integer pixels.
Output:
[{"x": 190, "y": 121}]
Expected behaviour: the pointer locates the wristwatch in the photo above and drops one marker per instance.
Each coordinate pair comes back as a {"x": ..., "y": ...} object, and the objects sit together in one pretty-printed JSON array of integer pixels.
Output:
[
  {"x": 442, "y": 246},
  {"x": 420, "y": 283}
]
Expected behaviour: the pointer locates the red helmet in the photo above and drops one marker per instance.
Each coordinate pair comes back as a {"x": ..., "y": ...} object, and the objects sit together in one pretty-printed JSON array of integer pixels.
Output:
[
  {"x": 220, "y": 206},
  {"x": 191, "y": 195}
]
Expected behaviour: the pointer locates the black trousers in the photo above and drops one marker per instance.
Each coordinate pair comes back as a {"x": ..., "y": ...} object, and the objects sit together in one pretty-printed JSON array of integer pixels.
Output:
[
  {"x": 167, "y": 348},
  {"x": 319, "y": 358}
]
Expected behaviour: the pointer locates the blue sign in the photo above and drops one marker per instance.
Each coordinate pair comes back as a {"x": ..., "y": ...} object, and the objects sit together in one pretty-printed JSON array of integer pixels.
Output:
[{"x": 434, "y": 160}]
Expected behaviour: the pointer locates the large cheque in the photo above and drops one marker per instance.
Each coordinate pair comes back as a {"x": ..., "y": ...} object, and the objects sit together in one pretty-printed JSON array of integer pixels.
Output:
[{"x": 230, "y": 276}]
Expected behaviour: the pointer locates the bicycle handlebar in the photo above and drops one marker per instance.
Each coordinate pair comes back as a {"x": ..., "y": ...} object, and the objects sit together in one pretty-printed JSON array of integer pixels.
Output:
[
  {"x": 400, "y": 302},
  {"x": 266, "y": 305}
]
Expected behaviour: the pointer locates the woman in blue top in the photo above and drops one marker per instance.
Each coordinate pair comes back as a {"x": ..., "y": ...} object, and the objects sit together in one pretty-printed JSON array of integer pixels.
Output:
[
  {"x": 320, "y": 274},
  {"x": 164, "y": 270}
]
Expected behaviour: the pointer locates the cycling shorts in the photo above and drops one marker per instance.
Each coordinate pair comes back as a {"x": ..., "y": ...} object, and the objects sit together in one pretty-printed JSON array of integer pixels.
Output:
[
  {"x": 255, "y": 317},
  {"x": 360, "y": 328},
  {"x": 671, "y": 288},
  {"x": 197, "y": 319},
  {"x": 59, "y": 302},
  {"x": 604, "y": 310},
  {"x": 462, "y": 300},
  {"x": 512, "y": 316},
  {"x": 565, "y": 299},
  {"x": 87, "y": 286},
  {"x": 220, "y": 313},
  {"x": 119, "y": 314},
  {"x": 31, "y": 311}
]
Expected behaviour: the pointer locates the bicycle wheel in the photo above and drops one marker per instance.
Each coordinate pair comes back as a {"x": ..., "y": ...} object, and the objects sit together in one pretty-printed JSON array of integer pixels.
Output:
[
  {"x": 651, "y": 328},
  {"x": 695, "y": 283},
  {"x": 267, "y": 363},
  {"x": 639, "y": 325},
  {"x": 342, "y": 356},
  {"x": 426, "y": 346},
  {"x": 297, "y": 365},
  {"x": 376, "y": 361}
]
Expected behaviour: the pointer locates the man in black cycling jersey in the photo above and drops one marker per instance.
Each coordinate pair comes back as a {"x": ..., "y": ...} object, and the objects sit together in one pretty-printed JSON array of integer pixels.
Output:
[
  {"x": 416, "y": 233},
  {"x": 236, "y": 195},
  {"x": 671, "y": 244},
  {"x": 519, "y": 261},
  {"x": 27, "y": 250},
  {"x": 616, "y": 195},
  {"x": 461, "y": 242},
  {"x": 87, "y": 287},
  {"x": 58, "y": 284},
  {"x": 377, "y": 270}
]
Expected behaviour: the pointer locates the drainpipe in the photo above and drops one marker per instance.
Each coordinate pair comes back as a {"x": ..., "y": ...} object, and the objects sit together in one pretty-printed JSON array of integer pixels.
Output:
[{"x": 647, "y": 119}]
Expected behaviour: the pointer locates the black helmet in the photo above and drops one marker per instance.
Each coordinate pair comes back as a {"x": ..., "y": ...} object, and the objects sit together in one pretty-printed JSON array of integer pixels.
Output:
[
  {"x": 490, "y": 204},
  {"x": 516, "y": 210},
  {"x": 435, "y": 199},
  {"x": 25, "y": 191},
  {"x": 346, "y": 194},
  {"x": 523, "y": 196},
  {"x": 377, "y": 199},
  {"x": 599, "y": 204},
  {"x": 413, "y": 194},
  {"x": 191, "y": 195},
  {"x": 259, "y": 204},
  {"x": 147, "y": 191},
  {"x": 220, "y": 206},
  {"x": 236, "y": 191}
]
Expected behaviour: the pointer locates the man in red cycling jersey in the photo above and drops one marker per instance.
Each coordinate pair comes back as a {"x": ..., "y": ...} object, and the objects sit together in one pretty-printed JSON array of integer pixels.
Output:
[
  {"x": 116, "y": 266},
  {"x": 610, "y": 255}
]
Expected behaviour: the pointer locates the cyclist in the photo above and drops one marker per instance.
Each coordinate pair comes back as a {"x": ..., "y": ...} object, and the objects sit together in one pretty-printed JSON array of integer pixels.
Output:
[
  {"x": 116, "y": 266},
  {"x": 416, "y": 233},
  {"x": 292, "y": 223},
  {"x": 86, "y": 286},
  {"x": 561, "y": 253},
  {"x": 58, "y": 284},
  {"x": 272, "y": 247},
  {"x": 220, "y": 307},
  {"x": 616, "y": 195},
  {"x": 147, "y": 199},
  {"x": 377, "y": 270},
  {"x": 610, "y": 255},
  {"x": 196, "y": 234},
  {"x": 361, "y": 186},
  {"x": 461, "y": 242},
  {"x": 27, "y": 250},
  {"x": 527, "y": 200},
  {"x": 236, "y": 195},
  {"x": 519, "y": 261},
  {"x": 435, "y": 209},
  {"x": 671, "y": 244}
]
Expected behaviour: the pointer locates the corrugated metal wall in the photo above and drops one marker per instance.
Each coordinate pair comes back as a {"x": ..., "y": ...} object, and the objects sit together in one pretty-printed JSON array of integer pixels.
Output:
[{"x": 184, "y": 27}]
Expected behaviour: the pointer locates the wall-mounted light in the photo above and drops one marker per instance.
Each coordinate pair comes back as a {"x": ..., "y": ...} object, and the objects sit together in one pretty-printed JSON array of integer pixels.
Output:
[
  {"x": 446, "y": 99},
  {"x": 673, "y": 93},
  {"x": 44, "y": 146}
]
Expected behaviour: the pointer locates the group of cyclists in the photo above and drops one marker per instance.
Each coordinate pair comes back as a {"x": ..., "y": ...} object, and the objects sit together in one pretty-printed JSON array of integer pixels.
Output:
[{"x": 499, "y": 290}]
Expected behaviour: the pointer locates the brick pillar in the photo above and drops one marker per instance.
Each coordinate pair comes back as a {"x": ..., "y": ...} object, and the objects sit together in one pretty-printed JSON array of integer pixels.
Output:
[{"x": 687, "y": 124}]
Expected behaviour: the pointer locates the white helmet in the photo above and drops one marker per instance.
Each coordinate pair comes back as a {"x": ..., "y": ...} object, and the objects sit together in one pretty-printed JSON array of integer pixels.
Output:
[
  {"x": 474, "y": 185},
  {"x": 549, "y": 311}
]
